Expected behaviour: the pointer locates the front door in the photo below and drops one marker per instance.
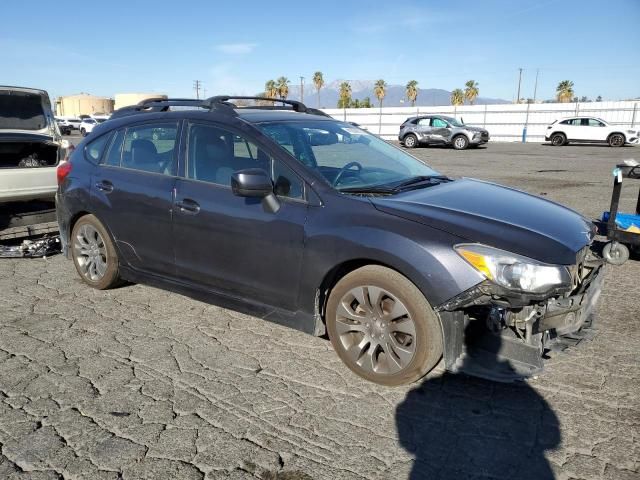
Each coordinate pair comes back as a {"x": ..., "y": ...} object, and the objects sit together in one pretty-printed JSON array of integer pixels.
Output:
[
  {"x": 132, "y": 194},
  {"x": 440, "y": 130},
  {"x": 233, "y": 244}
]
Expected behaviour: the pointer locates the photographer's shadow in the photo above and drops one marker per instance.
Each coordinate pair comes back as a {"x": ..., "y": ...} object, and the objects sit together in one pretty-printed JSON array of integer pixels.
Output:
[{"x": 461, "y": 427}]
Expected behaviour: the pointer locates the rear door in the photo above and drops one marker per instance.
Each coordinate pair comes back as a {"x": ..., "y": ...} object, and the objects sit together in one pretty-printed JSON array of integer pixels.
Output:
[
  {"x": 424, "y": 128},
  {"x": 233, "y": 244},
  {"x": 132, "y": 194}
]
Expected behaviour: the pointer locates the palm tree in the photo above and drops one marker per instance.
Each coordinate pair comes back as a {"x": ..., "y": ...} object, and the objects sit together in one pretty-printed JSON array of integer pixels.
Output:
[
  {"x": 412, "y": 91},
  {"x": 564, "y": 91},
  {"x": 270, "y": 89},
  {"x": 472, "y": 91},
  {"x": 282, "y": 86},
  {"x": 457, "y": 98},
  {"x": 345, "y": 97},
  {"x": 380, "y": 91},
  {"x": 318, "y": 81}
]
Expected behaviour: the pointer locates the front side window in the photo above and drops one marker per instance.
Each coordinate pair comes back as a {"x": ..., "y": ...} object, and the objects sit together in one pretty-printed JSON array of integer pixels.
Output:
[
  {"x": 214, "y": 154},
  {"x": 346, "y": 156},
  {"x": 147, "y": 150},
  {"x": 595, "y": 123},
  {"x": 438, "y": 122}
]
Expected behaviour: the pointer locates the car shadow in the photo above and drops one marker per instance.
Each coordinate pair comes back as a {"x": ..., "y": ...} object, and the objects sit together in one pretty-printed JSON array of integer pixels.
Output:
[
  {"x": 458, "y": 426},
  {"x": 573, "y": 144}
]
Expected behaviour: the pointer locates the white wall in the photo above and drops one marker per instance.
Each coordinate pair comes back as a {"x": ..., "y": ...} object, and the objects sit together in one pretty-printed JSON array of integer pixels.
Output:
[{"x": 504, "y": 122}]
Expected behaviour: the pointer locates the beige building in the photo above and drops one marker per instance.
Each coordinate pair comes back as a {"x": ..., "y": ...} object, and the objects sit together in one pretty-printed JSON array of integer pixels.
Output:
[
  {"x": 126, "y": 99},
  {"x": 83, "y": 104}
]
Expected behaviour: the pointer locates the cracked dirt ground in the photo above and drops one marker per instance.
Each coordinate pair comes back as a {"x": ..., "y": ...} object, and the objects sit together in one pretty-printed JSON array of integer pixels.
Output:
[{"x": 138, "y": 383}]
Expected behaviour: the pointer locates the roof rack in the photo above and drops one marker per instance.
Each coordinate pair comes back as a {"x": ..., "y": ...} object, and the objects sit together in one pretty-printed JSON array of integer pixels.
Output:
[{"x": 220, "y": 103}]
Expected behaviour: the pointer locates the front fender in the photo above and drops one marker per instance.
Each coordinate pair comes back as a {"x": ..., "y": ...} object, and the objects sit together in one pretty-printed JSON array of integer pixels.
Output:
[{"x": 423, "y": 254}]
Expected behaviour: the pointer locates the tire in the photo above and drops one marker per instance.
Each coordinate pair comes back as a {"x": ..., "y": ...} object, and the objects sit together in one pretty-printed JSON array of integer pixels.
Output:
[
  {"x": 83, "y": 132},
  {"x": 410, "y": 141},
  {"x": 616, "y": 140},
  {"x": 615, "y": 253},
  {"x": 93, "y": 254},
  {"x": 558, "y": 139},
  {"x": 460, "y": 142},
  {"x": 395, "y": 339}
]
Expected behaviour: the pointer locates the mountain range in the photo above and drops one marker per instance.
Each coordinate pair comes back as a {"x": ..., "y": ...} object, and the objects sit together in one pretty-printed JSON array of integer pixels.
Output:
[{"x": 395, "y": 95}]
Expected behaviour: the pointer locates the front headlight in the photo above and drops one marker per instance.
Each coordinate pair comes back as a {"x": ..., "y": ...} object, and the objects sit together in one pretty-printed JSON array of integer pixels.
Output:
[{"x": 513, "y": 271}]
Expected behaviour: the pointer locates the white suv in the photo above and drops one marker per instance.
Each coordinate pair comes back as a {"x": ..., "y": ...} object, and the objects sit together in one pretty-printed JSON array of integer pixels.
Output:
[
  {"x": 87, "y": 125},
  {"x": 589, "y": 130}
]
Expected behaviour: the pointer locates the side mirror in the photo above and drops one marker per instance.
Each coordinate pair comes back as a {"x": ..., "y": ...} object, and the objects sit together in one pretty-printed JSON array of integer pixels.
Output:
[
  {"x": 251, "y": 182},
  {"x": 255, "y": 183}
]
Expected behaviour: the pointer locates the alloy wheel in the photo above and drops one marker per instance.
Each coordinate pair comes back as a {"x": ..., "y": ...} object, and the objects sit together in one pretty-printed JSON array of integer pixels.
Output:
[
  {"x": 376, "y": 330},
  {"x": 90, "y": 253}
]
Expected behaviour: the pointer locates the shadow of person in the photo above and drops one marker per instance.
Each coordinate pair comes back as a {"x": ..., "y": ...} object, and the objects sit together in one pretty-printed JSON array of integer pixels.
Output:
[{"x": 460, "y": 427}]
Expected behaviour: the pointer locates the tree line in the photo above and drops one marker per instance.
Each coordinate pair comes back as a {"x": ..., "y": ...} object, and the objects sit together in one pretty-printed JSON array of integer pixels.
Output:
[{"x": 279, "y": 88}]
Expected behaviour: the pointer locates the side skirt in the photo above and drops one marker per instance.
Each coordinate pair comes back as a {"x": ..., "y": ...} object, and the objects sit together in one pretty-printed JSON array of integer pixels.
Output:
[{"x": 298, "y": 320}]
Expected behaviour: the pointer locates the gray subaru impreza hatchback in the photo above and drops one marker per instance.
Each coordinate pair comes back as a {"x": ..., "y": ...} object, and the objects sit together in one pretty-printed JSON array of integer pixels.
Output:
[{"x": 293, "y": 216}]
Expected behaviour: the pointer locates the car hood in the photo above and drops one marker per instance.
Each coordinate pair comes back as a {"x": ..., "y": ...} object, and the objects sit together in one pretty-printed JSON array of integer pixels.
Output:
[{"x": 497, "y": 216}]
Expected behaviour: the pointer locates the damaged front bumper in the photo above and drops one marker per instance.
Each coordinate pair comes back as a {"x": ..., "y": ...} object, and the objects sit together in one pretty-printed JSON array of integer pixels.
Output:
[{"x": 493, "y": 334}]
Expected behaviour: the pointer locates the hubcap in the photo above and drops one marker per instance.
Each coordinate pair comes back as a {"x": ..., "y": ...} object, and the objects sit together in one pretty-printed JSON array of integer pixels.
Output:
[
  {"x": 616, "y": 140},
  {"x": 409, "y": 141},
  {"x": 90, "y": 253},
  {"x": 459, "y": 142},
  {"x": 376, "y": 330}
]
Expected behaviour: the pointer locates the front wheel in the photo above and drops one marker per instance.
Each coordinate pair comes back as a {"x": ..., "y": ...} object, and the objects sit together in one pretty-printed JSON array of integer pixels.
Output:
[
  {"x": 93, "y": 253},
  {"x": 558, "y": 139},
  {"x": 460, "y": 142},
  {"x": 382, "y": 327},
  {"x": 83, "y": 132},
  {"x": 410, "y": 141},
  {"x": 616, "y": 140}
]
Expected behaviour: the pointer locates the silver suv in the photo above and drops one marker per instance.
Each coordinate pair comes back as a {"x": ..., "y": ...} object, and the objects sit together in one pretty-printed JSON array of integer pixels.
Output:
[{"x": 438, "y": 129}]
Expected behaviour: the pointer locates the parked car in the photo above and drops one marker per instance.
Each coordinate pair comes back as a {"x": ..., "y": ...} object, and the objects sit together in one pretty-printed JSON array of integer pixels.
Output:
[
  {"x": 313, "y": 223},
  {"x": 31, "y": 145},
  {"x": 88, "y": 124},
  {"x": 439, "y": 130},
  {"x": 72, "y": 122},
  {"x": 64, "y": 128},
  {"x": 589, "y": 130}
]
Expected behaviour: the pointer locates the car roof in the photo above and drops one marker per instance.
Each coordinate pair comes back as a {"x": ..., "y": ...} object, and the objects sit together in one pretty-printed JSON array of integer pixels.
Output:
[{"x": 251, "y": 115}]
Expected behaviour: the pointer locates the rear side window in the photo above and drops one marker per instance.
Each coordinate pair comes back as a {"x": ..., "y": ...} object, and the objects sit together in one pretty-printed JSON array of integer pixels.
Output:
[
  {"x": 114, "y": 152},
  {"x": 93, "y": 150},
  {"x": 424, "y": 121},
  {"x": 150, "y": 148}
]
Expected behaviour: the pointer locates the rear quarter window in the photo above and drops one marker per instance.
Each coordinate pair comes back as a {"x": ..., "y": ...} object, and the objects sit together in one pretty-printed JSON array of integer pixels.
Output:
[{"x": 93, "y": 150}]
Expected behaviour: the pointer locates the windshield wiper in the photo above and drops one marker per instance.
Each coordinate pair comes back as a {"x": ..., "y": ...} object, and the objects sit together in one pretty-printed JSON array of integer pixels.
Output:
[
  {"x": 365, "y": 189},
  {"x": 420, "y": 180}
]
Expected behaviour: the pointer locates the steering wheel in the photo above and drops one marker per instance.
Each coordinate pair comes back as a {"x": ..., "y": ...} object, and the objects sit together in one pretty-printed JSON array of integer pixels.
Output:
[{"x": 343, "y": 170}]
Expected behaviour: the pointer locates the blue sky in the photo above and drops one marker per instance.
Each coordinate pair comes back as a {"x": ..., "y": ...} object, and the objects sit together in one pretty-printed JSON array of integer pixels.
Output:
[{"x": 114, "y": 46}]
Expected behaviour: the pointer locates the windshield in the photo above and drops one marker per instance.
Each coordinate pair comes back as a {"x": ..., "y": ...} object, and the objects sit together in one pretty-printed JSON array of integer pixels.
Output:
[
  {"x": 453, "y": 122},
  {"x": 347, "y": 157}
]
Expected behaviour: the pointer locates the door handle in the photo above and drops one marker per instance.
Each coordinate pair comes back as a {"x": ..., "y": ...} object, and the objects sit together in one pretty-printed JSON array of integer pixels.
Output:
[
  {"x": 105, "y": 185},
  {"x": 187, "y": 205}
]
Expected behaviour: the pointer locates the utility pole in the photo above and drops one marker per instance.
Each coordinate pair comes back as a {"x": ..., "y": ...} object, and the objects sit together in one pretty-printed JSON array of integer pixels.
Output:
[
  {"x": 197, "y": 85},
  {"x": 519, "y": 81},
  {"x": 302, "y": 89},
  {"x": 535, "y": 86}
]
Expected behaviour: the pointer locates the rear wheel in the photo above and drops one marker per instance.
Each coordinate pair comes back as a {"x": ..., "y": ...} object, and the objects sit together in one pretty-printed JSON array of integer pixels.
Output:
[
  {"x": 460, "y": 142},
  {"x": 558, "y": 139},
  {"x": 382, "y": 327},
  {"x": 411, "y": 141},
  {"x": 616, "y": 140},
  {"x": 93, "y": 253}
]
